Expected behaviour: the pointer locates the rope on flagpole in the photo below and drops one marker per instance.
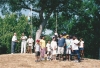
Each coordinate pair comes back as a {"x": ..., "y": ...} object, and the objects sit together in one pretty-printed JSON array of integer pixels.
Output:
[
  {"x": 31, "y": 23},
  {"x": 56, "y": 22},
  {"x": 56, "y": 26}
]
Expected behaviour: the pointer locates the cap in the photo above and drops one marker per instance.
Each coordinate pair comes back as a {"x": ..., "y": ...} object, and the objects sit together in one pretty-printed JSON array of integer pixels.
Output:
[{"x": 37, "y": 40}]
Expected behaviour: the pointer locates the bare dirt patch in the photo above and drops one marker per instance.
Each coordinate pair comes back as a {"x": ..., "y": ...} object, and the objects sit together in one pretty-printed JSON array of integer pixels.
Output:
[{"x": 28, "y": 61}]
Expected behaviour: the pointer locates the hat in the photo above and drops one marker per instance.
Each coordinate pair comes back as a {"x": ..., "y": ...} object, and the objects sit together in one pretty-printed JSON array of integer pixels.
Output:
[
  {"x": 67, "y": 35},
  {"x": 37, "y": 40}
]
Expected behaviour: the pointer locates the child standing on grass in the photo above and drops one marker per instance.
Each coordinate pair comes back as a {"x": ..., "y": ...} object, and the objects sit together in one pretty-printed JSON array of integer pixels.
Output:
[
  {"x": 48, "y": 48},
  {"x": 37, "y": 50}
]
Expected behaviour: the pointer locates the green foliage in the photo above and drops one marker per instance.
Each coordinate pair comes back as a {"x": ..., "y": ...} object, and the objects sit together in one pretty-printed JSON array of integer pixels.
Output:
[
  {"x": 86, "y": 26},
  {"x": 76, "y": 17},
  {"x": 48, "y": 38},
  {"x": 11, "y": 24}
]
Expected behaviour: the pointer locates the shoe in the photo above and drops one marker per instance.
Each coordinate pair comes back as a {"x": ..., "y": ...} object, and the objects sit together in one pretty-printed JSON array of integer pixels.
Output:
[
  {"x": 47, "y": 59},
  {"x": 76, "y": 61},
  {"x": 36, "y": 60},
  {"x": 79, "y": 60},
  {"x": 42, "y": 59}
]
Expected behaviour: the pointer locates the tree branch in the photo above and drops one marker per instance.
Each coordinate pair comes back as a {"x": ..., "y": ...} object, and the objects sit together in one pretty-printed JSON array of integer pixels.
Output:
[
  {"x": 27, "y": 7},
  {"x": 41, "y": 15}
]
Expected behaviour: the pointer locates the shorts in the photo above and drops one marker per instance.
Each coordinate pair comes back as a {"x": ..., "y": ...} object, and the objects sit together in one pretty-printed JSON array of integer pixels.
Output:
[
  {"x": 30, "y": 44},
  {"x": 37, "y": 53},
  {"x": 81, "y": 48},
  {"x": 68, "y": 51},
  {"x": 60, "y": 50}
]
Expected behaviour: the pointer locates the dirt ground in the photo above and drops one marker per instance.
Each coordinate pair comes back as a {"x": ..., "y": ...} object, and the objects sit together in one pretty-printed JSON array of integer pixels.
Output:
[{"x": 28, "y": 61}]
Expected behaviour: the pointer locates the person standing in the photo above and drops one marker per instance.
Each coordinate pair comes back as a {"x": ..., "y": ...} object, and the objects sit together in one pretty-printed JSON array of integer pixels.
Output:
[
  {"x": 37, "y": 50},
  {"x": 23, "y": 43},
  {"x": 75, "y": 49},
  {"x": 81, "y": 48},
  {"x": 43, "y": 48},
  {"x": 30, "y": 44},
  {"x": 68, "y": 47},
  {"x": 54, "y": 48},
  {"x": 61, "y": 44},
  {"x": 48, "y": 48},
  {"x": 13, "y": 44}
]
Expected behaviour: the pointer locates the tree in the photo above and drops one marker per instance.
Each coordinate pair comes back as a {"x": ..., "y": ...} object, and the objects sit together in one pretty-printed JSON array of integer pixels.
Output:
[
  {"x": 86, "y": 26},
  {"x": 10, "y": 24},
  {"x": 43, "y": 7}
]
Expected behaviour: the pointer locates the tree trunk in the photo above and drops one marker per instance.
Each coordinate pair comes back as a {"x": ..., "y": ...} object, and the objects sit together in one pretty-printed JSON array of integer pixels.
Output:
[{"x": 41, "y": 27}]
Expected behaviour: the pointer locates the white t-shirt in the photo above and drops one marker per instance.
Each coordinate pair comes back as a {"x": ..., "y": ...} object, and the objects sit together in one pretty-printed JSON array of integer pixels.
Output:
[
  {"x": 53, "y": 45},
  {"x": 14, "y": 38},
  {"x": 37, "y": 47},
  {"x": 30, "y": 40},
  {"x": 74, "y": 46},
  {"x": 48, "y": 47},
  {"x": 81, "y": 44},
  {"x": 23, "y": 38},
  {"x": 68, "y": 43}
]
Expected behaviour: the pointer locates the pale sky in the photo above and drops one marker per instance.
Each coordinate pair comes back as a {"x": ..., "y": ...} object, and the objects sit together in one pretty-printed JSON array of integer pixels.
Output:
[{"x": 27, "y": 12}]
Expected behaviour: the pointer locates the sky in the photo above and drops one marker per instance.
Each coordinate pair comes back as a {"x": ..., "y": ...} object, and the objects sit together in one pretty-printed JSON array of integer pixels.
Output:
[{"x": 27, "y": 13}]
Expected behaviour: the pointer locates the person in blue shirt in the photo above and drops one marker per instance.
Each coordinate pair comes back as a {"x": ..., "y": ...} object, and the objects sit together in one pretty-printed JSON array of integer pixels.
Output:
[{"x": 61, "y": 44}]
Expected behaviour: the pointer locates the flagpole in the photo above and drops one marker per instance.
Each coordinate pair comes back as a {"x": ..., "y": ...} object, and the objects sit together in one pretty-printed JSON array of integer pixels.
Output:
[
  {"x": 31, "y": 23},
  {"x": 56, "y": 34},
  {"x": 56, "y": 22}
]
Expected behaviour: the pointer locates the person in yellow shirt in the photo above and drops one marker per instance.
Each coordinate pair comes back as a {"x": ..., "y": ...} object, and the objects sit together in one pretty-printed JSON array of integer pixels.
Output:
[{"x": 43, "y": 48}]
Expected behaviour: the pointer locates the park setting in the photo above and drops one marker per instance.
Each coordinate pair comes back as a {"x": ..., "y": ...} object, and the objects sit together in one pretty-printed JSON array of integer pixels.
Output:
[{"x": 49, "y": 33}]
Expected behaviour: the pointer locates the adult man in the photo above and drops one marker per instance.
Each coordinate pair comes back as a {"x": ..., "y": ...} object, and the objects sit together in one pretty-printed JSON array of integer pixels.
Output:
[
  {"x": 23, "y": 43},
  {"x": 13, "y": 44},
  {"x": 61, "y": 44},
  {"x": 30, "y": 44},
  {"x": 75, "y": 49}
]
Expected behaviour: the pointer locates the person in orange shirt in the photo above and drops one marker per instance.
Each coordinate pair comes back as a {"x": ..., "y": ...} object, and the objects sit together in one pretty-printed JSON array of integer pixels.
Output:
[{"x": 43, "y": 48}]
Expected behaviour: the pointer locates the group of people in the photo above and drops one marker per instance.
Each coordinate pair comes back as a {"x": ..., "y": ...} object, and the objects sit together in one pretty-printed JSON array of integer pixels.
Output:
[
  {"x": 24, "y": 42},
  {"x": 60, "y": 48}
]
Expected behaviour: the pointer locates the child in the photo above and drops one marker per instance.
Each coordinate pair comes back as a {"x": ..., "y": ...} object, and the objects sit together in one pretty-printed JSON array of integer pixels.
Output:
[
  {"x": 37, "y": 50},
  {"x": 81, "y": 48},
  {"x": 54, "y": 48},
  {"x": 48, "y": 46},
  {"x": 68, "y": 47}
]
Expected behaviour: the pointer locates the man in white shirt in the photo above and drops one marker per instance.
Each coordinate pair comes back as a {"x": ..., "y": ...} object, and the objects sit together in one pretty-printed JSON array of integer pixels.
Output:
[
  {"x": 30, "y": 44},
  {"x": 23, "y": 43},
  {"x": 75, "y": 49},
  {"x": 13, "y": 44}
]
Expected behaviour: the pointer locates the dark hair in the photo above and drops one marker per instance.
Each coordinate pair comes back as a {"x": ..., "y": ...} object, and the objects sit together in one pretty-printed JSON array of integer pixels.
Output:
[{"x": 53, "y": 37}]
